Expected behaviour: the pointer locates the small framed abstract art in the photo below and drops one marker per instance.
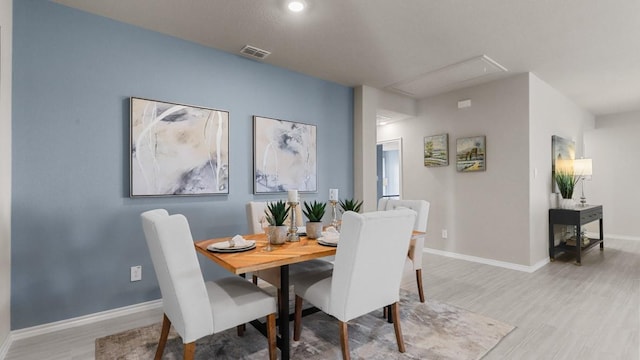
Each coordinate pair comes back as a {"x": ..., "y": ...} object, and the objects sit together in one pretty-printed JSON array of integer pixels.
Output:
[
  {"x": 177, "y": 149},
  {"x": 436, "y": 150},
  {"x": 284, "y": 156},
  {"x": 471, "y": 154}
]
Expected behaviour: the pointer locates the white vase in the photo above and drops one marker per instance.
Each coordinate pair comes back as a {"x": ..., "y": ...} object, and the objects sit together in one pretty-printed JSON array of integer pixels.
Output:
[
  {"x": 278, "y": 234},
  {"x": 567, "y": 203},
  {"x": 314, "y": 229}
]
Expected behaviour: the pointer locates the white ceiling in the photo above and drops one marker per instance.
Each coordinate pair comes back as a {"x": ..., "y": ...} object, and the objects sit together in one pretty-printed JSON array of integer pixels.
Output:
[{"x": 587, "y": 49}]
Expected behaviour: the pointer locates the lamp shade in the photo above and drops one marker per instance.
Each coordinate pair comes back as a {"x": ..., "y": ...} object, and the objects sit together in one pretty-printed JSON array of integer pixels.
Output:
[{"x": 582, "y": 167}]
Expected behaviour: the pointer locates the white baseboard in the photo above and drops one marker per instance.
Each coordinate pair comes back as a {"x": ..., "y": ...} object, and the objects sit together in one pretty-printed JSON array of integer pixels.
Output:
[
  {"x": 595, "y": 235},
  {"x": 82, "y": 320},
  {"x": 502, "y": 264},
  {"x": 4, "y": 347}
]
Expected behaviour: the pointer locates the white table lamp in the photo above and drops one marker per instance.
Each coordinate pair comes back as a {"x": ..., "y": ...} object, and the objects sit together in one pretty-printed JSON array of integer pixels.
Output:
[{"x": 583, "y": 168}]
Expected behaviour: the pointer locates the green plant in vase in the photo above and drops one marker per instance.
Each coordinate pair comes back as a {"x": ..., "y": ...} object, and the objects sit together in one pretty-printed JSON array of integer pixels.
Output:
[
  {"x": 276, "y": 214},
  {"x": 566, "y": 181},
  {"x": 350, "y": 205},
  {"x": 314, "y": 212}
]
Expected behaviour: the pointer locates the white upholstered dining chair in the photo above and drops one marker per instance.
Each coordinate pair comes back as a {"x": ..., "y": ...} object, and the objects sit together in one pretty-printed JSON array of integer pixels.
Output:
[
  {"x": 367, "y": 272},
  {"x": 194, "y": 307},
  {"x": 414, "y": 256},
  {"x": 256, "y": 211}
]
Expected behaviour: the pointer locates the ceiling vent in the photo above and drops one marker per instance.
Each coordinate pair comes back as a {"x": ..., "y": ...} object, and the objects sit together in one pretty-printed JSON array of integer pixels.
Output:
[
  {"x": 254, "y": 52},
  {"x": 455, "y": 76}
]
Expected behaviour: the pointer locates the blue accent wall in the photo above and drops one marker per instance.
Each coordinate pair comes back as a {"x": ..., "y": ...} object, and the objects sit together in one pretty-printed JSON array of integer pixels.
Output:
[{"x": 75, "y": 231}]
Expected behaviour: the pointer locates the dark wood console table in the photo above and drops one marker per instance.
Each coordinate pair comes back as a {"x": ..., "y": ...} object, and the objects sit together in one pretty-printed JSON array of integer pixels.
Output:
[{"x": 577, "y": 217}]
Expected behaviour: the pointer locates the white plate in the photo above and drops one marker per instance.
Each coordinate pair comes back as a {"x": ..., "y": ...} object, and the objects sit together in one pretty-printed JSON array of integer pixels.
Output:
[
  {"x": 232, "y": 250},
  {"x": 322, "y": 242},
  {"x": 224, "y": 245}
]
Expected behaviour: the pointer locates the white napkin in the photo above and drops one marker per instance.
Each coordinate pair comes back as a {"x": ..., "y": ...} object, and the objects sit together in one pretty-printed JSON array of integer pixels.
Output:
[
  {"x": 238, "y": 241},
  {"x": 330, "y": 235}
]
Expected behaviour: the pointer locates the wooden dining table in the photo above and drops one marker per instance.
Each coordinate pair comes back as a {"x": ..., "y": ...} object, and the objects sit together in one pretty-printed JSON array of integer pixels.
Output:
[
  {"x": 259, "y": 259},
  {"x": 281, "y": 256}
]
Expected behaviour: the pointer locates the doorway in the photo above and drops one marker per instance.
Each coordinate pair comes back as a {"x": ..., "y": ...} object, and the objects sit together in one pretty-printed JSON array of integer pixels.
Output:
[{"x": 389, "y": 169}]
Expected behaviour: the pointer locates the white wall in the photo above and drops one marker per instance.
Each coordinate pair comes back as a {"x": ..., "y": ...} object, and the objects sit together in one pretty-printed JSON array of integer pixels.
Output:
[
  {"x": 6, "y": 25},
  {"x": 613, "y": 146},
  {"x": 551, "y": 113},
  {"x": 396, "y": 103},
  {"x": 365, "y": 106},
  {"x": 486, "y": 213},
  {"x": 506, "y": 219}
]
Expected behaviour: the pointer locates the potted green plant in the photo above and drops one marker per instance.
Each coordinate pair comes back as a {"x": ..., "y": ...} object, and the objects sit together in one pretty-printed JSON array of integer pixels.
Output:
[
  {"x": 350, "y": 205},
  {"x": 314, "y": 212},
  {"x": 566, "y": 183},
  {"x": 276, "y": 214}
]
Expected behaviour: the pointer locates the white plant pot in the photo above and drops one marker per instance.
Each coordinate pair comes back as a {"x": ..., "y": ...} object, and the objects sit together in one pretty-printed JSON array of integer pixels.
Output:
[
  {"x": 278, "y": 234},
  {"x": 567, "y": 203},
  {"x": 314, "y": 229}
]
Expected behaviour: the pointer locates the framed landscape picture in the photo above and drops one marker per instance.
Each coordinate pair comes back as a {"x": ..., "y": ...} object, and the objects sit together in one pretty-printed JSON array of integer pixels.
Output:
[
  {"x": 471, "y": 154},
  {"x": 284, "y": 156},
  {"x": 177, "y": 149},
  {"x": 436, "y": 150}
]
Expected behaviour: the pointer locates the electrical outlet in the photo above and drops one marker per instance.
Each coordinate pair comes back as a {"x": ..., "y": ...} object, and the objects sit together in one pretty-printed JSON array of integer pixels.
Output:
[
  {"x": 136, "y": 273},
  {"x": 444, "y": 233}
]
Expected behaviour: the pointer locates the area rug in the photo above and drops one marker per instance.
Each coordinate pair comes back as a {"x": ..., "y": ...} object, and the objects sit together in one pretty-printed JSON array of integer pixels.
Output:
[{"x": 431, "y": 330}]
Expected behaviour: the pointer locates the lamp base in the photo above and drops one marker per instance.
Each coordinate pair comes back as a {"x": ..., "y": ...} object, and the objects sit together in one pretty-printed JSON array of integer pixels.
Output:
[{"x": 583, "y": 199}]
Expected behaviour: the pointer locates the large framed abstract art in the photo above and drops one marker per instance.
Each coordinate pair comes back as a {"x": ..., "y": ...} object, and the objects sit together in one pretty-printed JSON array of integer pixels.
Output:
[
  {"x": 178, "y": 149},
  {"x": 284, "y": 156}
]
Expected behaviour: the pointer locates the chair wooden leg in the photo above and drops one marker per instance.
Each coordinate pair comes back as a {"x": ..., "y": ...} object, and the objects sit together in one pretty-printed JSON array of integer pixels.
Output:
[
  {"x": 384, "y": 312},
  {"x": 164, "y": 334},
  {"x": 271, "y": 336},
  {"x": 189, "y": 350},
  {"x": 344, "y": 340},
  {"x": 255, "y": 279},
  {"x": 396, "y": 326},
  {"x": 297, "y": 319},
  {"x": 241, "y": 329},
  {"x": 419, "y": 280}
]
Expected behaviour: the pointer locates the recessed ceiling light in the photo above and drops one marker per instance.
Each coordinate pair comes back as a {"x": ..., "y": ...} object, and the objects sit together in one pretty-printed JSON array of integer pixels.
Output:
[{"x": 296, "y": 6}]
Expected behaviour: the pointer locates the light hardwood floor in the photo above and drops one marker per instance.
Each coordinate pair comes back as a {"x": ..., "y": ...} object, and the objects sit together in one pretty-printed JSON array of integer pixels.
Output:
[{"x": 561, "y": 311}]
